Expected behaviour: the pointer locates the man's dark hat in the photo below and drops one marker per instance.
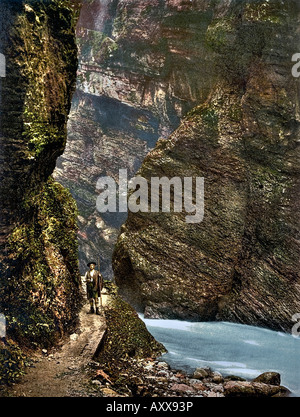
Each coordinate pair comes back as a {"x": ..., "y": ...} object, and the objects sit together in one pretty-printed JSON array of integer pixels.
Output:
[{"x": 90, "y": 263}]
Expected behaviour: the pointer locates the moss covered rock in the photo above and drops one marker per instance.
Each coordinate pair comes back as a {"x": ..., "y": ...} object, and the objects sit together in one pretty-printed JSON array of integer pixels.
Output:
[
  {"x": 126, "y": 337},
  {"x": 46, "y": 276},
  {"x": 39, "y": 276},
  {"x": 12, "y": 362}
]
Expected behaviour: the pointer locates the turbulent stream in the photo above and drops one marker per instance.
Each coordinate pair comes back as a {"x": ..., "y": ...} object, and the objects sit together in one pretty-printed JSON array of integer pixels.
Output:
[{"x": 231, "y": 349}]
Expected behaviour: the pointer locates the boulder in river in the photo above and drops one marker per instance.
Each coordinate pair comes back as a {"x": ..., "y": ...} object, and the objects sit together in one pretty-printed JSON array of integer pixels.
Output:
[
  {"x": 252, "y": 389},
  {"x": 272, "y": 378},
  {"x": 201, "y": 373}
]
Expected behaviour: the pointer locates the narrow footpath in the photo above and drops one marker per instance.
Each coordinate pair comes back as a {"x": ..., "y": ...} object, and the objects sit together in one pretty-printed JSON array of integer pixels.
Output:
[{"x": 64, "y": 371}]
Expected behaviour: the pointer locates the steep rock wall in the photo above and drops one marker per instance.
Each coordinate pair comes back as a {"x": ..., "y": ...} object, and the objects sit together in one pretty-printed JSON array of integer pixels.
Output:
[
  {"x": 242, "y": 262},
  {"x": 39, "y": 275},
  {"x": 142, "y": 66}
]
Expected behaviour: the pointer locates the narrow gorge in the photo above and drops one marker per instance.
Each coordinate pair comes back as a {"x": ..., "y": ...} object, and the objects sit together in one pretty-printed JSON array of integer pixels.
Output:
[
  {"x": 42, "y": 299},
  {"x": 174, "y": 89},
  {"x": 192, "y": 89}
]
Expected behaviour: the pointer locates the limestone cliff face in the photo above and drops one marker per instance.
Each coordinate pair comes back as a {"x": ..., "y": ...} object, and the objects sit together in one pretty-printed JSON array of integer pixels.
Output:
[
  {"x": 39, "y": 283},
  {"x": 242, "y": 262},
  {"x": 143, "y": 66}
]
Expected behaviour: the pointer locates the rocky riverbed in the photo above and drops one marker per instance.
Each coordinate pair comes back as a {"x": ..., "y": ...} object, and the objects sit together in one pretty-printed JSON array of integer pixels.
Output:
[{"x": 154, "y": 378}]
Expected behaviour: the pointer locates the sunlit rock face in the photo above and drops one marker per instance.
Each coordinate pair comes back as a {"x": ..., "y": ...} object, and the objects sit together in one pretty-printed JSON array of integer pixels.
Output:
[
  {"x": 241, "y": 263},
  {"x": 39, "y": 274}
]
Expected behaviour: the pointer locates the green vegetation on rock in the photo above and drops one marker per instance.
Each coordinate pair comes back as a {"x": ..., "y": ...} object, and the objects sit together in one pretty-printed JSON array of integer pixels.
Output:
[
  {"x": 126, "y": 337},
  {"x": 12, "y": 362},
  {"x": 46, "y": 275},
  {"x": 39, "y": 278}
]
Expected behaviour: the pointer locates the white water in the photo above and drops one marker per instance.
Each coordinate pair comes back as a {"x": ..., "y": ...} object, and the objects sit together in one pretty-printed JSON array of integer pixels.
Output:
[{"x": 231, "y": 349}]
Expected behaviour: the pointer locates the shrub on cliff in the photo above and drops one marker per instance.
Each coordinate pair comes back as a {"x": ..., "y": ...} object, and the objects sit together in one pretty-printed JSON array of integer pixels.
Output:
[{"x": 12, "y": 362}]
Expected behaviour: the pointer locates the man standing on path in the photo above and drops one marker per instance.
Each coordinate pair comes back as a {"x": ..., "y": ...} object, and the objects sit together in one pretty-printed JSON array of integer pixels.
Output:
[{"x": 94, "y": 285}]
